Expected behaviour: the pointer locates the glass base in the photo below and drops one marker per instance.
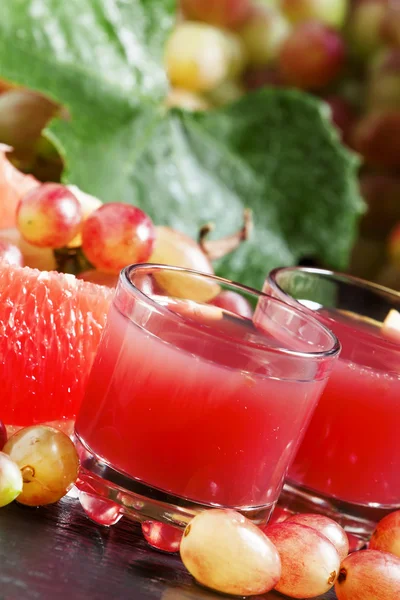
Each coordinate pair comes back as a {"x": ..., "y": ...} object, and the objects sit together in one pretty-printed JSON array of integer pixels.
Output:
[
  {"x": 139, "y": 501},
  {"x": 357, "y": 519}
]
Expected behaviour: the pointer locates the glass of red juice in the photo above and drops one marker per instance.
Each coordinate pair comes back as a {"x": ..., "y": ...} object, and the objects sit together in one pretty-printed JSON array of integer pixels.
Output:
[
  {"x": 193, "y": 405},
  {"x": 347, "y": 466}
]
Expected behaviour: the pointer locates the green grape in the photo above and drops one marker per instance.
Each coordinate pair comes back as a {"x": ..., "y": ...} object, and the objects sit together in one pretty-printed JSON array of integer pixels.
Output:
[
  {"x": 48, "y": 462},
  {"x": 10, "y": 480}
]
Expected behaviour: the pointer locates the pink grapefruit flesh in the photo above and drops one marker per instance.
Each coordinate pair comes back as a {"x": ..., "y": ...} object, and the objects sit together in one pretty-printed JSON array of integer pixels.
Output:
[{"x": 50, "y": 326}]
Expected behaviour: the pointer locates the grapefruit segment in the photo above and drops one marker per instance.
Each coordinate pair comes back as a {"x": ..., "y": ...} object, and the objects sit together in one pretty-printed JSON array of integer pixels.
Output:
[
  {"x": 50, "y": 326},
  {"x": 13, "y": 185}
]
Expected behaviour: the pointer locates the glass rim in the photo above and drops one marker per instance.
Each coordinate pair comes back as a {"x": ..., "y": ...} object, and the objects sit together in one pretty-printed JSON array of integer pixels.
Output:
[
  {"x": 330, "y": 352},
  {"x": 333, "y": 275}
]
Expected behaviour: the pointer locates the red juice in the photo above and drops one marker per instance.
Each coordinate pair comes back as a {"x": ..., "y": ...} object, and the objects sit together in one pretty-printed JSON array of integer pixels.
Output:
[
  {"x": 199, "y": 417},
  {"x": 351, "y": 450}
]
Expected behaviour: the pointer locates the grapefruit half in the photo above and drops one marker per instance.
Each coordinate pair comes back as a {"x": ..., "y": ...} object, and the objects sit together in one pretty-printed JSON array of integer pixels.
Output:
[{"x": 50, "y": 327}]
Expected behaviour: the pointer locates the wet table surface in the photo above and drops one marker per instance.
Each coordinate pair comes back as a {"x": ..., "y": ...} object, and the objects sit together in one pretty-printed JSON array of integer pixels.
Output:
[{"x": 57, "y": 552}]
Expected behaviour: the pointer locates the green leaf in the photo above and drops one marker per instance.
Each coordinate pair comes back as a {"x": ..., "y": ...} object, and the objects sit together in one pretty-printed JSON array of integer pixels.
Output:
[{"x": 274, "y": 151}]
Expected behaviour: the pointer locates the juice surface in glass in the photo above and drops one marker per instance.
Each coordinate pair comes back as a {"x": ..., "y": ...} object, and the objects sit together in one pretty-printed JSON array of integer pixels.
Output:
[
  {"x": 351, "y": 450},
  {"x": 195, "y": 406}
]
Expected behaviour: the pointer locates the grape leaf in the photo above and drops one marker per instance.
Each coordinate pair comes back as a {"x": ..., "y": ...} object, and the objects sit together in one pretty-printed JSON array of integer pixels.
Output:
[{"x": 274, "y": 151}]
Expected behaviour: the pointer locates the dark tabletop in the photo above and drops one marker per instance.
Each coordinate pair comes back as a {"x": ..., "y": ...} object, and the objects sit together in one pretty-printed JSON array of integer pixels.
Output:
[{"x": 57, "y": 552}]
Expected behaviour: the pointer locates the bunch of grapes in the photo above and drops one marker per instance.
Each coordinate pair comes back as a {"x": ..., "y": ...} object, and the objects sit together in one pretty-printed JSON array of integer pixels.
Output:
[
  {"x": 61, "y": 227},
  {"x": 345, "y": 52}
]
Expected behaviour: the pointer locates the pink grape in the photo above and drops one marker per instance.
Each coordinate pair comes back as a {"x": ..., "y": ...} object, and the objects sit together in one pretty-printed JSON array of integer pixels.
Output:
[
  {"x": 263, "y": 34},
  {"x": 161, "y": 536},
  {"x": 369, "y": 575},
  {"x": 312, "y": 56},
  {"x": 386, "y": 536},
  {"x": 100, "y": 510},
  {"x": 328, "y": 527},
  {"x": 310, "y": 562},
  {"x": 3, "y": 435},
  {"x": 49, "y": 216},
  {"x": 234, "y": 303},
  {"x": 227, "y": 553},
  {"x": 11, "y": 254},
  {"x": 116, "y": 235},
  {"x": 329, "y": 12},
  {"x": 221, "y": 13}
]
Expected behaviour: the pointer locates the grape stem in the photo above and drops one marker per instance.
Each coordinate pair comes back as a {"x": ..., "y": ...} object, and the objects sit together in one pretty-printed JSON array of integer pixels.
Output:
[{"x": 215, "y": 249}]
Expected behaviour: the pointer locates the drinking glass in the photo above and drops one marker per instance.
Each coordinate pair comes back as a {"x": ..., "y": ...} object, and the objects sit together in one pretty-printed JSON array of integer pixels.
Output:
[
  {"x": 347, "y": 466},
  {"x": 191, "y": 405}
]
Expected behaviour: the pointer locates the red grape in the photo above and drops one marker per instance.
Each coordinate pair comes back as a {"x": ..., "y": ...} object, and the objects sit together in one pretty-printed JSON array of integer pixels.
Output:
[
  {"x": 369, "y": 575},
  {"x": 11, "y": 254},
  {"x": 310, "y": 562},
  {"x": 386, "y": 536},
  {"x": 343, "y": 115},
  {"x": 222, "y": 13},
  {"x": 226, "y": 552},
  {"x": 330, "y": 12},
  {"x": 263, "y": 35},
  {"x": 49, "y": 216},
  {"x": 161, "y": 536},
  {"x": 234, "y": 303},
  {"x": 3, "y": 435},
  {"x": 116, "y": 235},
  {"x": 312, "y": 56},
  {"x": 329, "y": 528},
  {"x": 377, "y": 138}
]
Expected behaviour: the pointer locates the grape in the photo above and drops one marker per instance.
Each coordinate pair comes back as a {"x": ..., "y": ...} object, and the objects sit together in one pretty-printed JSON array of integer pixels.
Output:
[
  {"x": 312, "y": 56},
  {"x": 10, "y": 480},
  {"x": 365, "y": 27},
  {"x": 221, "y": 13},
  {"x": 199, "y": 57},
  {"x": 49, "y": 216},
  {"x": 278, "y": 516},
  {"x": 234, "y": 303},
  {"x": 116, "y": 235},
  {"x": 369, "y": 575},
  {"x": 179, "y": 98},
  {"x": 11, "y": 254},
  {"x": 227, "y": 553},
  {"x": 381, "y": 191},
  {"x": 383, "y": 89},
  {"x": 386, "y": 536},
  {"x": 263, "y": 35},
  {"x": 100, "y": 510},
  {"x": 377, "y": 138},
  {"x": 3, "y": 435},
  {"x": 310, "y": 562},
  {"x": 329, "y": 12},
  {"x": 48, "y": 462},
  {"x": 329, "y": 528},
  {"x": 161, "y": 536},
  {"x": 391, "y": 24},
  {"x": 177, "y": 249},
  {"x": 342, "y": 115}
]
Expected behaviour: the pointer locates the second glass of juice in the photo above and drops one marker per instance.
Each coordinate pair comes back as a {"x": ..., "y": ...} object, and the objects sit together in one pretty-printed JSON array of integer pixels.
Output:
[
  {"x": 347, "y": 466},
  {"x": 193, "y": 401}
]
